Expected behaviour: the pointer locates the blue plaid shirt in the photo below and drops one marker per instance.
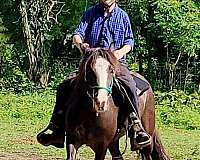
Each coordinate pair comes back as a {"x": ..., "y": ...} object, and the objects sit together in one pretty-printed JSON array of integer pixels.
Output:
[{"x": 113, "y": 31}]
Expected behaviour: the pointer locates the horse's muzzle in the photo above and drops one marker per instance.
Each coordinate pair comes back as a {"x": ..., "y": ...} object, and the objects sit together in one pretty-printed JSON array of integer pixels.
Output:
[{"x": 101, "y": 103}]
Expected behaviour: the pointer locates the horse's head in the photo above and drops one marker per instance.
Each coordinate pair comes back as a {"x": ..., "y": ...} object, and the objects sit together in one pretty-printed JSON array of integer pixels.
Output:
[{"x": 99, "y": 67}]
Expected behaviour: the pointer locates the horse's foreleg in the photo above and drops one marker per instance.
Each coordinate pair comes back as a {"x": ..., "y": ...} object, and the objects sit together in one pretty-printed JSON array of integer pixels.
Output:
[
  {"x": 100, "y": 153},
  {"x": 146, "y": 157},
  {"x": 71, "y": 151},
  {"x": 115, "y": 152},
  {"x": 146, "y": 153}
]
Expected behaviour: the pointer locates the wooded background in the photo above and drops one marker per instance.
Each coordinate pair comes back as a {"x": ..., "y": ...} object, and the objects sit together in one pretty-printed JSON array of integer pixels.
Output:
[{"x": 36, "y": 49}]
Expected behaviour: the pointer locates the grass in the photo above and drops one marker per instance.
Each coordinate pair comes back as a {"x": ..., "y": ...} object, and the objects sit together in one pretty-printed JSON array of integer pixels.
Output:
[{"x": 23, "y": 116}]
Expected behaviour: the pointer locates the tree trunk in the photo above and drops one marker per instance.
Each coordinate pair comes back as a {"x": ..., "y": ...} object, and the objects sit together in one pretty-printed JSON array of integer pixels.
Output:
[
  {"x": 34, "y": 42},
  {"x": 33, "y": 66},
  {"x": 186, "y": 74}
]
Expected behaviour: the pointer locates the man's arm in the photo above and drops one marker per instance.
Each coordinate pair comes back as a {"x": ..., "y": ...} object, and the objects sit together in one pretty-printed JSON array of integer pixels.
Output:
[
  {"x": 122, "y": 51},
  {"x": 128, "y": 40},
  {"x": 79, "y": 42},
  {"x": 79, "y": 33}
]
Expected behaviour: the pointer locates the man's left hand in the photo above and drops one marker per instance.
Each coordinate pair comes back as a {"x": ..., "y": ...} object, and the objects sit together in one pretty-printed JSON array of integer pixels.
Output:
[{"x": 117, "y": 54}]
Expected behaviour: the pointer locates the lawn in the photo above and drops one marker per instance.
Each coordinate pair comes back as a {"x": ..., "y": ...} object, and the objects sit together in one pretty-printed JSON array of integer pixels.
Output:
[{"x": 23, "y": 116}]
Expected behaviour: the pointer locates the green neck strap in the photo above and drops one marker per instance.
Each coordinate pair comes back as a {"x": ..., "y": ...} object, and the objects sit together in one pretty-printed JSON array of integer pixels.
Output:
[{"x": 108, "y": 89}]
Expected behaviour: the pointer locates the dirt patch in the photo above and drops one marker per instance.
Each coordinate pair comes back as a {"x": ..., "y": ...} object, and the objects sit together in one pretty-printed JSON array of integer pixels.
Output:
[
  {"x": 24, "y": 140},
  {"x": 21, "y": 156}
]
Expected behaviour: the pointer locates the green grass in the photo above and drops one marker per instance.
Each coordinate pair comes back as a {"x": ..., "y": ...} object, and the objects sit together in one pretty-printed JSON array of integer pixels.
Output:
[{"x": 23, "y": 116}]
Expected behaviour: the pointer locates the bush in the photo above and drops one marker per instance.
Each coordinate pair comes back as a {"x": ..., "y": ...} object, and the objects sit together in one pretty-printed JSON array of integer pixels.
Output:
[
  {"x": 174, "y": 108},
  {"x": 34, "y": 107},
  {"x": 178, "y": 109}
]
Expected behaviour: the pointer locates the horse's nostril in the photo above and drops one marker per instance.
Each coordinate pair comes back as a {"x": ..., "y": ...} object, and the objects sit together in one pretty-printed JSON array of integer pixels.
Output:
[
  {"x": 97, "y": 102},
  {"x": 103, "y": 104}
]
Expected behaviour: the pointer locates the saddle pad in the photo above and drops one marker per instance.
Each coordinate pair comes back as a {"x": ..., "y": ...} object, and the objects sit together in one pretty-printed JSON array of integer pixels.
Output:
[{"x": 141, "y": 83}]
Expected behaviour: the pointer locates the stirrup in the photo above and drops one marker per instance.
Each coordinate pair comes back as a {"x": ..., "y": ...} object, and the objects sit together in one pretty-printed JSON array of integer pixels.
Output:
[
  {"x": 137, "y": 146},
  {"x": 145, "y": 143}
]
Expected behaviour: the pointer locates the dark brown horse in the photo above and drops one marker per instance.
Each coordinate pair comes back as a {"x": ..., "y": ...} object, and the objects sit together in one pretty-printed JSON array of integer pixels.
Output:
[{"x": 92, "y": 116}]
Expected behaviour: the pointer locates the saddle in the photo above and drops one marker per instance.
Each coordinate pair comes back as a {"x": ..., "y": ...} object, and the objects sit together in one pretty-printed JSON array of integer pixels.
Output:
[{"x": 141, "y": 83}]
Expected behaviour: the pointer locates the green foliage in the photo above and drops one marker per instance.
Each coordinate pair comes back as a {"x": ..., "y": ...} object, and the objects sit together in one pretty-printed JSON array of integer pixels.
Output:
[
  {"x": 162, "y": 29},
  {"x": 178, "y": 109},
  {"x": 32, "y": 106},
  {"x": 179, "y": 22}
]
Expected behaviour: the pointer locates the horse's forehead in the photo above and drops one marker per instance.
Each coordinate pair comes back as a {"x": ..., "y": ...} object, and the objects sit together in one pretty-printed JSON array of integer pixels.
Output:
[{"x": 101, "y": 63}]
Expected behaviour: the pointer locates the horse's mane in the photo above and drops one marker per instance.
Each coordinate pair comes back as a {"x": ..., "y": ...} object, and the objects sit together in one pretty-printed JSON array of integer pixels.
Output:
[{"x": 89, "y": 58}]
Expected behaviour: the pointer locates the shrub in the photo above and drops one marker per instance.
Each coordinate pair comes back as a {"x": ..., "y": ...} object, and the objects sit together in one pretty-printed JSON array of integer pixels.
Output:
[{"x": 178, "y": 109}]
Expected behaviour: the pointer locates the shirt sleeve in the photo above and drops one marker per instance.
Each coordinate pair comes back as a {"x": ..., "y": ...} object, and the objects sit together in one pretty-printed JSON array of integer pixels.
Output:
[
  {"x": 128, "y": 37},
  {"x": 81, "y": 28}
]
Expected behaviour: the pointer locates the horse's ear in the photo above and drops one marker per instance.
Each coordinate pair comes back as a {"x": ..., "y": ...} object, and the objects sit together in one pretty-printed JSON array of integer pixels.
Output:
[{"x": 86, "y": 52}]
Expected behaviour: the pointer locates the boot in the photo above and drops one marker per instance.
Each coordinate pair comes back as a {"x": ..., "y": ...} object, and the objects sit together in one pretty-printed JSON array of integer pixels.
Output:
[
  {"x": 139, "y": 137},
  {"x": 52, "y": 136}
]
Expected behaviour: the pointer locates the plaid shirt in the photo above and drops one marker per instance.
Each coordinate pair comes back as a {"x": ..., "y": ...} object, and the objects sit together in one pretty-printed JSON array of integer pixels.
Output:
[{"x": 113, "y": 31}]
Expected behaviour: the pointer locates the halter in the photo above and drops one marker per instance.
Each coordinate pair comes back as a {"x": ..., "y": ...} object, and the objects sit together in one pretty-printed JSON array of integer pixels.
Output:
[
  {"x": 92, "y": 96},
  {"x": 108, "y": 89}
]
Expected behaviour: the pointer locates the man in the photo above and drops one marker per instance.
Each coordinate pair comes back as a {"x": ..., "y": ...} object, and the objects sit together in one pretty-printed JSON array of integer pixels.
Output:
[{"x": 103, "y": 25}]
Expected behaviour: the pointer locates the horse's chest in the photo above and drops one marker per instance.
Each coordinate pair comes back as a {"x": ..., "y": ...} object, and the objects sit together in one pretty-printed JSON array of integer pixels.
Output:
[{"x": 90, "y": 127}]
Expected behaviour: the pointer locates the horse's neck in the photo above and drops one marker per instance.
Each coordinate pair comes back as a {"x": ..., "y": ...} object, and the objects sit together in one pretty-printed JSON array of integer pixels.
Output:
[{"x": 81, "y": 86}]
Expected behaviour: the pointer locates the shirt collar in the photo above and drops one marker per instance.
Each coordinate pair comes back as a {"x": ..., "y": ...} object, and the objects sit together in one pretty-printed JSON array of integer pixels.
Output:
[{"x": 101, "y": 9}]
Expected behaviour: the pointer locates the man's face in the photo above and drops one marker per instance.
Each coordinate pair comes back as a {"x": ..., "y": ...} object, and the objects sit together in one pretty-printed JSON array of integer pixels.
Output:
[{"x": 108, "y": 2}]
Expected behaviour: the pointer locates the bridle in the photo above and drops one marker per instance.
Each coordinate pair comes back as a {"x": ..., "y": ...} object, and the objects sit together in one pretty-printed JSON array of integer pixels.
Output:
[
  {"x": 89, "y": 74},
  {"x": 108, "y": 89},
  {"x": 98, "y": 87},
  {"x": 93, "y": 90}
]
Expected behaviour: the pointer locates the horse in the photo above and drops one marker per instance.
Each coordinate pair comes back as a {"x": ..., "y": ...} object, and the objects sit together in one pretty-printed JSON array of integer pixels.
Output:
[{"x": 91, "y": 115}]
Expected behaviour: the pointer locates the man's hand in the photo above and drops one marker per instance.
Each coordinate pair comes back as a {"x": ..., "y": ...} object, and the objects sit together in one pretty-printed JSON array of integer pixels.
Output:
[
  {"x": 84, "y": 46},
  {"x": 117, "y": 54},
  {"x": 79, "y": 43},
  {"x": 122, "y": 51}
]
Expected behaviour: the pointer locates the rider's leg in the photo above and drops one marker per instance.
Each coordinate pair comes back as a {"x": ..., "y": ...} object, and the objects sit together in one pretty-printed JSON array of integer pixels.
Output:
[
  {"x": 54, "y": 134},
  {"x": 141, "y": 137}
]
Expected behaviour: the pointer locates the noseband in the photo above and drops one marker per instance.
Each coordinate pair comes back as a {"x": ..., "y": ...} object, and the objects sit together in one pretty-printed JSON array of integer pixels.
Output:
[
  {"x": 92, "y": 96},
  {"x": 108, "y": 89}
]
